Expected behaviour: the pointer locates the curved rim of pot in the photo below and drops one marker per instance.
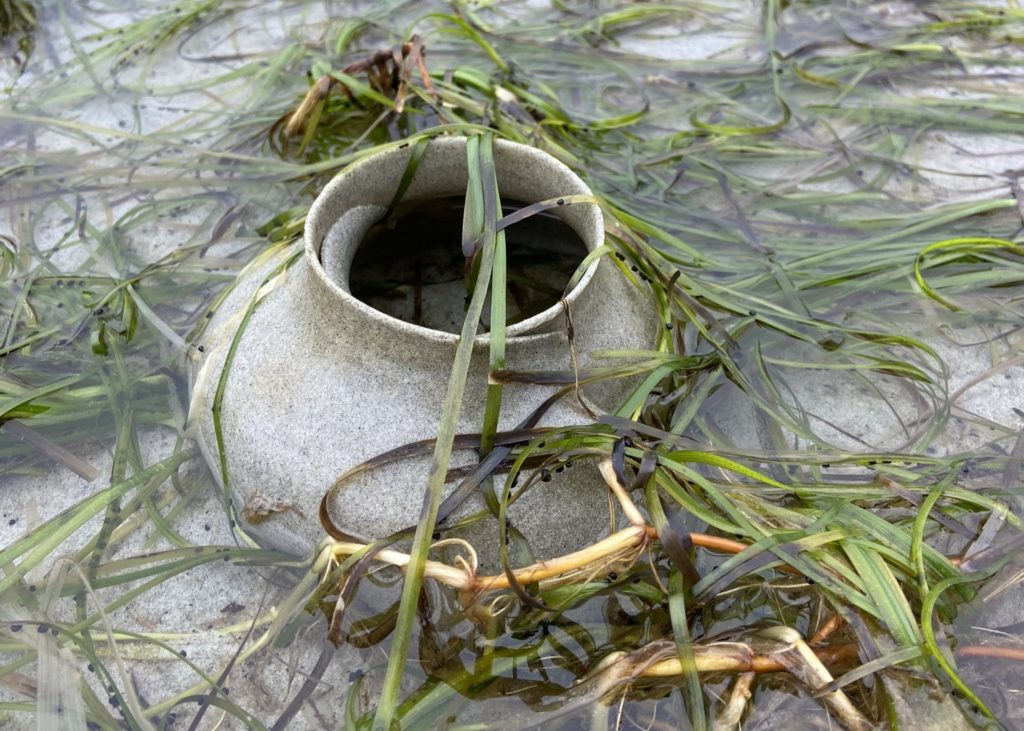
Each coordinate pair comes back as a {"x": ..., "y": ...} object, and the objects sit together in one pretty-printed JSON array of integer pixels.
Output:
[{"x": 521, "y": 331}]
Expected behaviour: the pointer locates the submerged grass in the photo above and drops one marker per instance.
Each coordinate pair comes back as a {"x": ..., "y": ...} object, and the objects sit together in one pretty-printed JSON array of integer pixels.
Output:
[
  {"x": 823, "y": 204},
  {"x": 481, "y": 211}
]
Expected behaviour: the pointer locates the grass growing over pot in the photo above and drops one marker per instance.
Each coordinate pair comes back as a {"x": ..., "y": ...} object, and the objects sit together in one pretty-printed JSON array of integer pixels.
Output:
[{"x": 780, "y": 199}]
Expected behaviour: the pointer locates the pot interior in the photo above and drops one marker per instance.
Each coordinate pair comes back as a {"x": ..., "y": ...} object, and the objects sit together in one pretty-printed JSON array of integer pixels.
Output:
[{"x": 410, "y": 266}]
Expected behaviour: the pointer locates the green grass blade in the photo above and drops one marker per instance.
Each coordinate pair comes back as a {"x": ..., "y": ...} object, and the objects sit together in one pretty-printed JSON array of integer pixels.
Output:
[
  {"x": 928, "y": 630},
  {"x": 432, "y": 498},
  {"x": 886, "y": 595},
  {"x": 681, "y": 632},
  {"x": 41, "y": 542},
  {"x": 499, "y": 276}
]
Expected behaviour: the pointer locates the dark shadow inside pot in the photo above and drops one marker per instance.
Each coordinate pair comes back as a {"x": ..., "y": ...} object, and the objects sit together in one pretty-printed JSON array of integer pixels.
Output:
[{"x": 410, "y": 266}]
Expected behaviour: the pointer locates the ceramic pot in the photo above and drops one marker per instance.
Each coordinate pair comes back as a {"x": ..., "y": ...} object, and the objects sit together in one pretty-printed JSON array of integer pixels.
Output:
[{"x": 320, "y": 381}]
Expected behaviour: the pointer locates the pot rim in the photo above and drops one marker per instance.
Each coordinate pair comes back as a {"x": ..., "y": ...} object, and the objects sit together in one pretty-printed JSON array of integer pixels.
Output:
[{"x": 520, "y": 331}]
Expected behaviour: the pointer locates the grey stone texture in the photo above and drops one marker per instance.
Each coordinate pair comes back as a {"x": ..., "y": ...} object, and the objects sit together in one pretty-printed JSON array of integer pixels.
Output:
[{"x": 320, "y": 381}]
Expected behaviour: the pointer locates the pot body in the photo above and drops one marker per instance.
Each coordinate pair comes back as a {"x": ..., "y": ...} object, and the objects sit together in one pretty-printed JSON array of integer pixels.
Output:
[{"x": 313, "y": 381}]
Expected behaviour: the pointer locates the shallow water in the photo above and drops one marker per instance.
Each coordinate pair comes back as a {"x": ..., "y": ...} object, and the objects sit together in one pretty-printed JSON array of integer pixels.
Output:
[
  {"x": 412, "y": 266},
  {"x": 795, "y": 160}
]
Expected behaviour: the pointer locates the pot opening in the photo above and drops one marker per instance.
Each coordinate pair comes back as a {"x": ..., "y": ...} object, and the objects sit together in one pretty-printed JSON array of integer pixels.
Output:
[{"x": 411, "y": 267}]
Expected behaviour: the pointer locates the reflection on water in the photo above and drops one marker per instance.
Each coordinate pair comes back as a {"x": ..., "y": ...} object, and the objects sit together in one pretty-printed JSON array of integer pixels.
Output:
[{"x": 412, "y": 266}]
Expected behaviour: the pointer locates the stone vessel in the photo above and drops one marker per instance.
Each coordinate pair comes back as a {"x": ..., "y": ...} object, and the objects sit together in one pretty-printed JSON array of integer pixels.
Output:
[{"x": 320, "y": 381}]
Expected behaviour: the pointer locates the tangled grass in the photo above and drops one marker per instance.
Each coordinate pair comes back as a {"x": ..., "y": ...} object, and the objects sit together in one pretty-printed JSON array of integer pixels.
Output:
[{"x": 823, "y": 203}]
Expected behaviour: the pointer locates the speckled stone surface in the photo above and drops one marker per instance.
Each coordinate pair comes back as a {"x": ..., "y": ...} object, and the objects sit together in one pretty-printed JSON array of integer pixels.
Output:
[{"x": 321, "y": 381}]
